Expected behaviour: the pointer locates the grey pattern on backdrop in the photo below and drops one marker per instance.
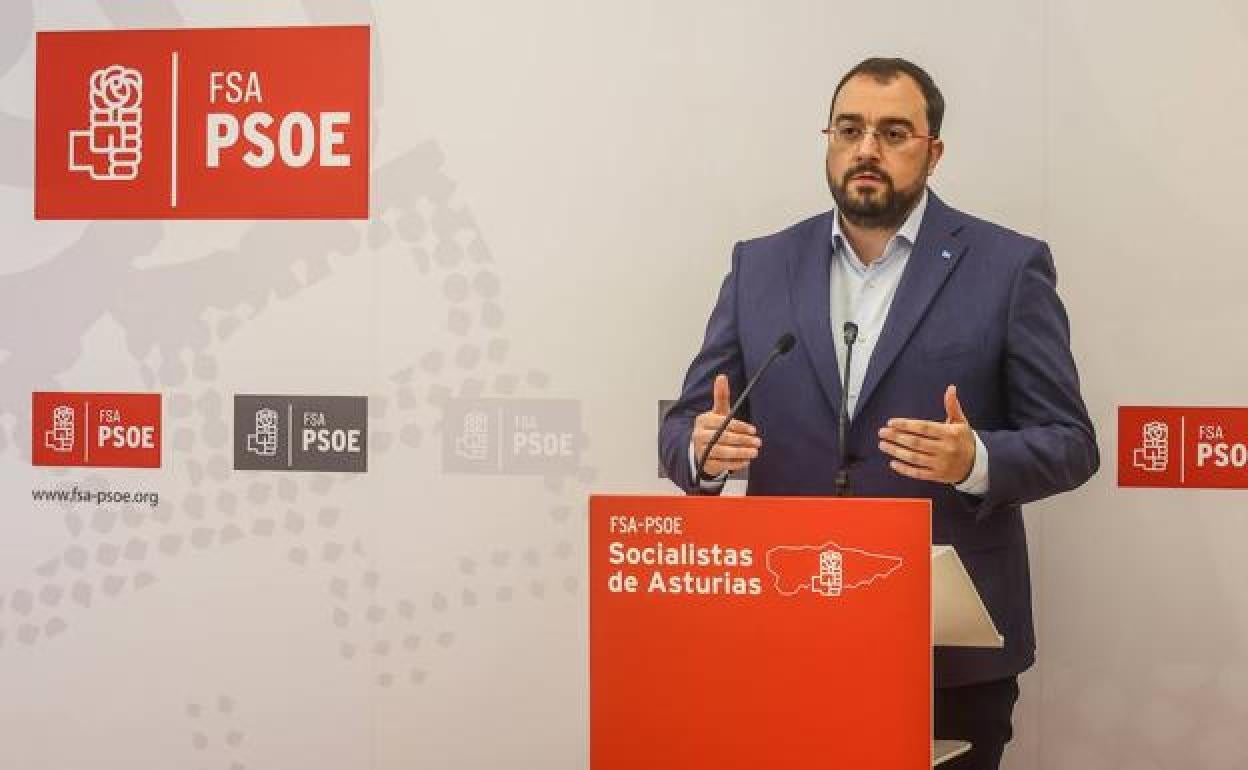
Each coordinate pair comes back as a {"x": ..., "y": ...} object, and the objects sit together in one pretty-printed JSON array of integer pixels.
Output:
[{"x": 112, "y": 553}]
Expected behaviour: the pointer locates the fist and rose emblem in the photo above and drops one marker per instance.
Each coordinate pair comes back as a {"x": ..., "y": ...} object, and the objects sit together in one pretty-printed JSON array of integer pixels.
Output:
[{"x": 110, "y": 148}]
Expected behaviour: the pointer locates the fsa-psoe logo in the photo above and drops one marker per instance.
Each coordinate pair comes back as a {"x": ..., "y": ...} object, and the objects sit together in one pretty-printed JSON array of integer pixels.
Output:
[
  {"x": 111, "y": 146},
  {"x": 101, "y": 430},
  {"x": 256, "y": 123}
]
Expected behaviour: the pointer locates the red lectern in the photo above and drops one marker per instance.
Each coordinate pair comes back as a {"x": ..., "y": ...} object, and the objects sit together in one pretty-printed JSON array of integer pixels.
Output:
[{"x": 760, "y": 633}]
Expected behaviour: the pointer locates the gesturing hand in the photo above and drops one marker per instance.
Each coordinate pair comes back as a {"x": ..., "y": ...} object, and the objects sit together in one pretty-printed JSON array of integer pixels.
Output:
[
  {"x": 931, "y": 451},
  {"x": 738, "y": 445}
]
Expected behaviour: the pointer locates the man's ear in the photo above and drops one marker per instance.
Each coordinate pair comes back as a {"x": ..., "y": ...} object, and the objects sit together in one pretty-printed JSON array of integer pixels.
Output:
[{"x": 938, "y": 151}]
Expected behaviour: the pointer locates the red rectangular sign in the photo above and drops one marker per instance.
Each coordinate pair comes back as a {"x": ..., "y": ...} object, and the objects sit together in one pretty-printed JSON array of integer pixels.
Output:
[
  {"x": 1183, "y": 446},
  {"x": 114, "y": 430},
  {"x": 759, "y": 632},
  {"x": 202, "y": 123}
]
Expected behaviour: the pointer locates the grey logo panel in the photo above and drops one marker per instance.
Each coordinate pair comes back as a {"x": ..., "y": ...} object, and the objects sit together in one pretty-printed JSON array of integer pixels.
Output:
[
  {"x": 511, "y": 436},
  {"x": 301, "y": 433}
]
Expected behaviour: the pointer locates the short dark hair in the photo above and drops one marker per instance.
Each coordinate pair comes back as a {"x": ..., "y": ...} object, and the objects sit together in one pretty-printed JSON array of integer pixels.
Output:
[{"x": 886, "y": 71}]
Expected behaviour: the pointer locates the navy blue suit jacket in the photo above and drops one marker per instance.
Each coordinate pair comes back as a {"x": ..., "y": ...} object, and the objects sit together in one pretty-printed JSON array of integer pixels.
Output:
[{"x": 977, "y": 307}]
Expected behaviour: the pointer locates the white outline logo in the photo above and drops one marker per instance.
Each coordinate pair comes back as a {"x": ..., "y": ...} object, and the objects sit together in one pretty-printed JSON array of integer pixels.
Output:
[
  {"x": 1154, "y": 455},
  {"x": 473, "y": 443},
  {"x": 110, "y": 148},
  {"x": 831, "y": 577},
  {"x": 61, "y": 437},
  {"x": 264, "y": 441}
]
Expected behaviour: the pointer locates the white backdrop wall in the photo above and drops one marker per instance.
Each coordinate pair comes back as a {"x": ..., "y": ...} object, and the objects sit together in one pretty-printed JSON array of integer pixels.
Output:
[{"x": 556, "y": 187}]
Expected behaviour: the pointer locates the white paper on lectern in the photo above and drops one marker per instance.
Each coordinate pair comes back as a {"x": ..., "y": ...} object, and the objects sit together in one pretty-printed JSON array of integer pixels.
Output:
[
  {"x": 959, "y": 618},
  {"x": 943, "y": 751}
]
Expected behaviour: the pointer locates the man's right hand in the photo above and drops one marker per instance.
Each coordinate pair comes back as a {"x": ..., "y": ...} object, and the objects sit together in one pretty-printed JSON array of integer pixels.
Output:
[{"x": 740, "y": 442}]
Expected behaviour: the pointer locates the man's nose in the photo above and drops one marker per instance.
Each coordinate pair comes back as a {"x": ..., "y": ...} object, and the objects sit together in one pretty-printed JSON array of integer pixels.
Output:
[{"x": 868, "y": 147}]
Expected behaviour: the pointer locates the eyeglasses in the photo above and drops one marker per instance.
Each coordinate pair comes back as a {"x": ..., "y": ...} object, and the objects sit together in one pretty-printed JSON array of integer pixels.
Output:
[{"x": 892, "y": 137}]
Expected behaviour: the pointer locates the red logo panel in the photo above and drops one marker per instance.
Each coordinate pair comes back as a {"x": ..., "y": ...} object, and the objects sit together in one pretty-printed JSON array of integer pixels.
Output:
[
  {"x": 110, "y": 430},
  {"x": 1199, "y": 447},
  {"x": 202, "y": 124}
]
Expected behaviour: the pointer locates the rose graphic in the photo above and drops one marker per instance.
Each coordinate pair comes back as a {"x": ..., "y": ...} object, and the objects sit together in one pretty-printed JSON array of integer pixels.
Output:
[{"x": 116, "y": 87}]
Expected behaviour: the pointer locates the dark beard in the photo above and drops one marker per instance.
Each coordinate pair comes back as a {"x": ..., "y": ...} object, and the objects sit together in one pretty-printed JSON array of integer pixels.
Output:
[{"x": 882, "y": 211}]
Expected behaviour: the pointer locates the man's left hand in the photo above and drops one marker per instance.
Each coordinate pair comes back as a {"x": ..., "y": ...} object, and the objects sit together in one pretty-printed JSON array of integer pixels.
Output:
[{"x": 931, "y": 451}]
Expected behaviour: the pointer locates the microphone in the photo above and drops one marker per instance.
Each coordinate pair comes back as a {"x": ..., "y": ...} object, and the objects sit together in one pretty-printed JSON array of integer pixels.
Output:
[
  {"x": 850, "y": 330},
  {"x": 783, "y": 345}
]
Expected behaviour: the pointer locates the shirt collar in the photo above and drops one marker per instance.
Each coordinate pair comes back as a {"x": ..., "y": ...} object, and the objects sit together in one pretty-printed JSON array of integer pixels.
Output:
[{"x": 909, "y": 230}]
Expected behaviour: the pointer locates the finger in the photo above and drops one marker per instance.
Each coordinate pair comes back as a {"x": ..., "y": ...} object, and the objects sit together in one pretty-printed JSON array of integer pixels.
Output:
[
  {"x": 715, "y": 467},
  {"x": 926, "y": 428},
  {"x": 741, "y": 426},
  {"x": 908, "y": 456},
  {"x": 703, "y": 437},
  {"x": 912, "y": 441},
  {"x": 721, "y": 395},
  {"x": 922, "y": 474},
  {"x": 710, "y": 422},
  {"x": 721, "y": 452},
  {"x": 953, "y": 408},
  {"x": 736, "y": 439}
]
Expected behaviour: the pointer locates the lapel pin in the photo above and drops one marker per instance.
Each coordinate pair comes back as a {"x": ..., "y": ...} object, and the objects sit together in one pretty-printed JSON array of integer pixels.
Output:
[{"x": 945, "y": 253}]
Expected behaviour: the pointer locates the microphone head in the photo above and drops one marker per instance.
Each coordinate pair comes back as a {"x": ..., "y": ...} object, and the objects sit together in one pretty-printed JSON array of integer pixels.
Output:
[
  {"x": 851, "y": 332},
  {"x": 785, "y": 343}
]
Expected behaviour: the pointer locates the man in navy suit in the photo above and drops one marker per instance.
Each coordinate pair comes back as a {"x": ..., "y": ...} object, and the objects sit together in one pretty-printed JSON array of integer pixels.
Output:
[{"x": 962, "y": 387}]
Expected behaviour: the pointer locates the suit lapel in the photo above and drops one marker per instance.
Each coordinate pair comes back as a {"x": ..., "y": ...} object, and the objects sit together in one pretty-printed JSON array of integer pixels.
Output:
[
  {"x": 809, "y": 287},
  {"x": 936, "y": 253}
]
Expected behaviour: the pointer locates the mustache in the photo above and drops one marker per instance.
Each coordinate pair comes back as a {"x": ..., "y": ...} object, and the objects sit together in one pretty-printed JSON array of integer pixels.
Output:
[{"x": 867, "y": 169}]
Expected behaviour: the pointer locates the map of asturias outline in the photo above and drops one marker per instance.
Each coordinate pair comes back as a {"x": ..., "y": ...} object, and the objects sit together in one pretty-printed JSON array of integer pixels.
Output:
[{"x": 827, "y": 569}]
